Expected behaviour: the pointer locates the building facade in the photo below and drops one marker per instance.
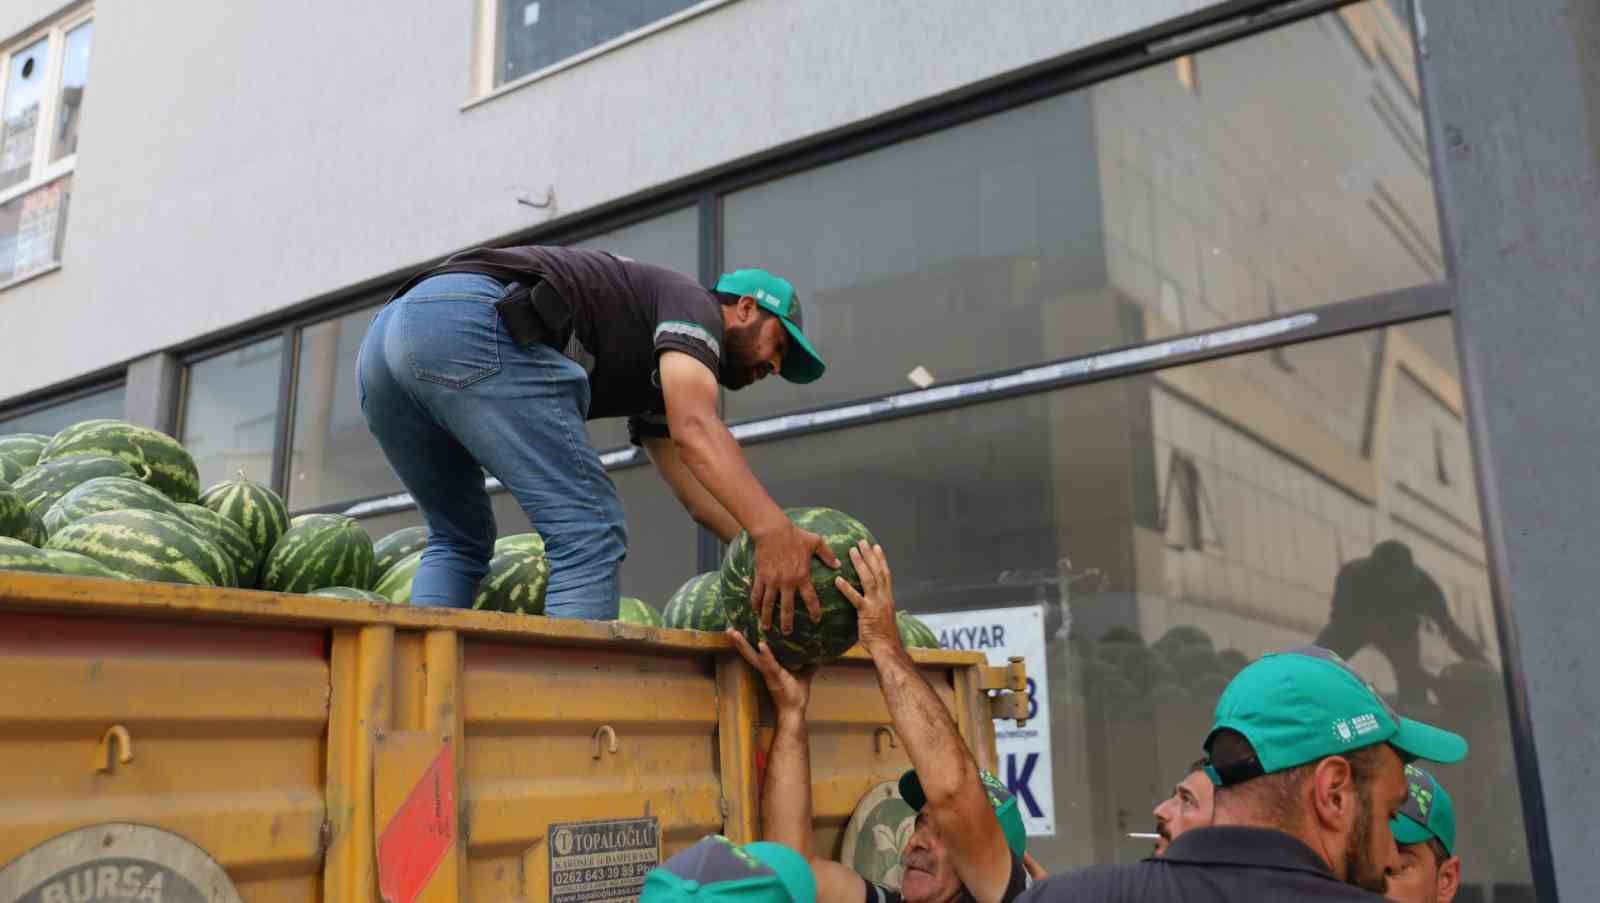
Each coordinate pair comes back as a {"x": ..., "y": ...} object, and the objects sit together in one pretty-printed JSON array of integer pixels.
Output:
[{"x": 1144, "y": 313}]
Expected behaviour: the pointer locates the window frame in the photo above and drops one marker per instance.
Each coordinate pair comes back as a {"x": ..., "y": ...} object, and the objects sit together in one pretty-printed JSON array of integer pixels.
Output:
[
  {"x": 486, "y": 49},
  {"x": 42, "y": 172}
]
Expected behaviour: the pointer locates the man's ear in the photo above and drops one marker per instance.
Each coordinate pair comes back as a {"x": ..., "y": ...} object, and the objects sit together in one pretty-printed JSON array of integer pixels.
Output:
[
  {"x": 1333, "y": 794},
  {"x": 1449, "y": 879},
  {"x": 746, "y": 309}
]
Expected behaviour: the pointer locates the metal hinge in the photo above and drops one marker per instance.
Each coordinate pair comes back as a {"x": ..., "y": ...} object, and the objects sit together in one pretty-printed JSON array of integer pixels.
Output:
[{"x": 1012, "y": 680}]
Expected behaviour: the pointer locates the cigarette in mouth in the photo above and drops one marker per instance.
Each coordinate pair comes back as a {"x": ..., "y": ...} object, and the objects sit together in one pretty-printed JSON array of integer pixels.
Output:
[{"x": 1138, "y": 836}]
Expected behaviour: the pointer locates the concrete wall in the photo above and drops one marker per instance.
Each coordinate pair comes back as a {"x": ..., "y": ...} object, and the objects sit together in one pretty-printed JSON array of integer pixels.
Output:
[
  {"x": 17, "y": 16},
  {"x": 237, "y": 158}
]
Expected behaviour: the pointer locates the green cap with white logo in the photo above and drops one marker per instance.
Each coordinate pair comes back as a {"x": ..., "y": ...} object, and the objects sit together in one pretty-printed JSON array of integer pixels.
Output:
[
  {"x": 1428, "y": 813},
  {"x": 714, "y": 870},
  {"x": 774, "y": 294},
  {"x": 1000, "y": 797},
  {"x": 1306, "y": 704}
]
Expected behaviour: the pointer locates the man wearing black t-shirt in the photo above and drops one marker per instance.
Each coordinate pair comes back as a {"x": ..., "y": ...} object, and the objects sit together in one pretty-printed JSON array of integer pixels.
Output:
[
  {"x": 495, "y": 358},
  {"x": 969, "y": 844}
]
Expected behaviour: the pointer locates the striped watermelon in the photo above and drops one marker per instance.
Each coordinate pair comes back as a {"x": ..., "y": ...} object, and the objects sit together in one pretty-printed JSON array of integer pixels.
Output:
[
  {"x": 697, "y": 605},
  {"x": 323, "y": 550},
  {"x": 516, "y": 583},
  {"x": 15, "y": 520},
  {"x": 810, "y": 642},
  {"x": 21, "y": 450},
  {"x": 170, "y": 467},
  {"x": 348, "y": 592},
  {"x": 10, "y": 471},
  {"x": 914, "y": 634},
  {"x": 395, "y": 546},
  {"x": 527, "y": 542},
  {"x": 230, "y": 538},
  {"x": 253, "y": 506},
  {"x": 16, "y": 555},
  {"x": 45, "y": 484},
  {"x": 79, "y": 565},
  {"x": 147, "y": 545},
  {"x": 106, "y": 494},
  {"x": 637, "y": 611},
  {"x": 35, "y": 534},
  {"x": 396, "y": 583}
]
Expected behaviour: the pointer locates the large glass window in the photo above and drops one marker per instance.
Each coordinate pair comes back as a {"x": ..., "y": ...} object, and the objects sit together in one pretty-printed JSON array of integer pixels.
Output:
[
  {"x": 74, "y": 81},
  {"x": 230, "y": 411},
  {"x": 1175, "y": 198},
  {"x": 33, "y": 228},
  {"x": 25, "y": 92},
  {"x": 333, "y": 457},
  {"x": 671, "y": 240},
  {"x": 1172, "y": 527},
  {"x": 534, "y": 34},
  {"x": 106, "y": 403}
]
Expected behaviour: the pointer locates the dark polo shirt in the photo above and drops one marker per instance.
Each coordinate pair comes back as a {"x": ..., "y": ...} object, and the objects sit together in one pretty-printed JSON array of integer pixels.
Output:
[{"x": 1208, "y": 865}]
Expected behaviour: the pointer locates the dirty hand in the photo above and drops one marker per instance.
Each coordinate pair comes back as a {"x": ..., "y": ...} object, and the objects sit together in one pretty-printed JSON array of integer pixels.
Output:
[
  {"x": 783, "y": 568},
  {"x": 875, "y": 603},
  {"x": 791, "y": 691}
]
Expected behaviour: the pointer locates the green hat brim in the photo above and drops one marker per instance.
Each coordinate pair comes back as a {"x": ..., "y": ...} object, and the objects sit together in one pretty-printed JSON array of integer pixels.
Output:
[
  {"x": 1416, "y": 740},
  {"x": 802, "y": 364},
  {"x": 1407, "y": 832},
  {"x": 1009, "y": 816}
]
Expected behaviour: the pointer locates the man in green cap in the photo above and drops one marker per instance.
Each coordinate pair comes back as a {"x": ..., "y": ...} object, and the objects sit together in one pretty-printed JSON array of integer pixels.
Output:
[
  {"x": 494, "y": 359},
  {"x": 714, "y": 870},
  {"x": 969, "y": 844},
  {"x": 1429, "y": 871},
  {"x": 1309, "y": 766}
]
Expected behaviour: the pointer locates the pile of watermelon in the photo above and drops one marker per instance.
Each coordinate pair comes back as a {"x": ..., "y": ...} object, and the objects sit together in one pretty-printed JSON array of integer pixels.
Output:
[{"x": 106, "y": 498}]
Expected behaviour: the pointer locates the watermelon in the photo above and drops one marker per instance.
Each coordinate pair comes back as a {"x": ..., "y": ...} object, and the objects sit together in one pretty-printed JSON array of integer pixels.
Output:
[
  {"x": 16, "y": 555},
  {"x": 395, "y": 546},
  {"x": 170, "y": 468},
  {"x": 45, "y": 484},
  {"x": 10, "y": 471},
  {"x": 348, "y": 592},
  {"x": 516, "y": 582},
  {"x": 527, "y": 542},
  {"x": 79, "y": 565},
  {"x": 35, "y": 534},
  {"x": 396, "y": 583},
  {"x": 637, "y": 611},
  {"x": 323, "y": 550},
  {"x": 913, "y": 633},
  {"x": 229, "y": 537},
  {"x": 811, "y": 642},
  {"x": 253, "y": 506},
  {"x": 15, "y": 520},
  {"x": 21, "y": 450},
  {"x": 106, "y": 494},
  {"x": 147, "y": 545},
  {"x": 697, "y": 605}
]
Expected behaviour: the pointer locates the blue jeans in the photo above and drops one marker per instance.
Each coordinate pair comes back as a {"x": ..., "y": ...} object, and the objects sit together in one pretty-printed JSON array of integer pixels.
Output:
[{"x": 445, "y": 391}]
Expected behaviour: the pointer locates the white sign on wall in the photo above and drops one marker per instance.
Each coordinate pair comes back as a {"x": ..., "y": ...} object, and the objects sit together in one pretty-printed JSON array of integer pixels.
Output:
[{"x": 1024, "y": 752}]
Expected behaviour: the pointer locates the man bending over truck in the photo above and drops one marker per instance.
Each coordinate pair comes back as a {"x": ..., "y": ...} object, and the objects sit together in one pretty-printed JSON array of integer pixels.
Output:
[{"x": 969, "y": 842}]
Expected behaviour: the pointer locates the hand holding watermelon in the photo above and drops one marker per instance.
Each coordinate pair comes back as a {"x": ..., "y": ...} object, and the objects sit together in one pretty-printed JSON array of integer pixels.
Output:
[
  {"x": 783, "y": 565},
  {"x": 874, "y": 604},
  {"x": 790, "y": 690}
]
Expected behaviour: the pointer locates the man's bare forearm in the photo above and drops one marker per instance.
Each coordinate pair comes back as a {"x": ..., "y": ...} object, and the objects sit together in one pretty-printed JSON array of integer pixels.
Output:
[
  {"x": 786, "y": 795},
  {"x": 925, "y": 727},
  {"x": 717, "y": 462}
]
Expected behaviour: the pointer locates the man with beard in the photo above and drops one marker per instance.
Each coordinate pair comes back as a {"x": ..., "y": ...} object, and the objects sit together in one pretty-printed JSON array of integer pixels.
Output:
[
  {"x": 1189, "y": 806},
  {"x": 1429, "y": 871},
  {"x": 1309, "y": 765},
  {"x": 968, "y": 844},
  {"x": 494, "y": 359}
]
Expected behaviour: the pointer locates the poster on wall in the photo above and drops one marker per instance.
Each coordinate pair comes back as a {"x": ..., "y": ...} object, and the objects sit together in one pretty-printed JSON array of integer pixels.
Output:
[{"x": 1024, "y": 752}]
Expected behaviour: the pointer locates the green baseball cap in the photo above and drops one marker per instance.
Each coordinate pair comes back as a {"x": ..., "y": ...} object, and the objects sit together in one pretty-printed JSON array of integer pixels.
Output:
[
  {"x": 1303, "y": 705},
  {"x": 1005, "y": 806},
  {"x": 715, "y": 870},
  {"x": 1428, "y": 813},
  {"x": 774, "y": 294}
]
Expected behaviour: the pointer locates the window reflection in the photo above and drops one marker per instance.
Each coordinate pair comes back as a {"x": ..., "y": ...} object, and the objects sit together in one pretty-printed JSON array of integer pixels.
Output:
[{"x": 230, "y": 413}]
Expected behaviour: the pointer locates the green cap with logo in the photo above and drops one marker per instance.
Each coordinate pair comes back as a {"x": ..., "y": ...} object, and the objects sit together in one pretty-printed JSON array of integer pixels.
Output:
[
  {"x": 716, "y": 870},
  {"x": 1306, "y": 704},
  {"x": 774, "y": 294},
  {"x": 1005, "y": 806},
  {"x": 1428, "y": 813}
]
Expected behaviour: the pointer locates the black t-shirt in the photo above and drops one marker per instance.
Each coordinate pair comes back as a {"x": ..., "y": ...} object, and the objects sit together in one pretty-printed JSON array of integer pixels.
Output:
[
  {"x": 625, "y": 313},
  {"x": 1208, "y": 865},
  {"x": 877, "y": 893}
]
